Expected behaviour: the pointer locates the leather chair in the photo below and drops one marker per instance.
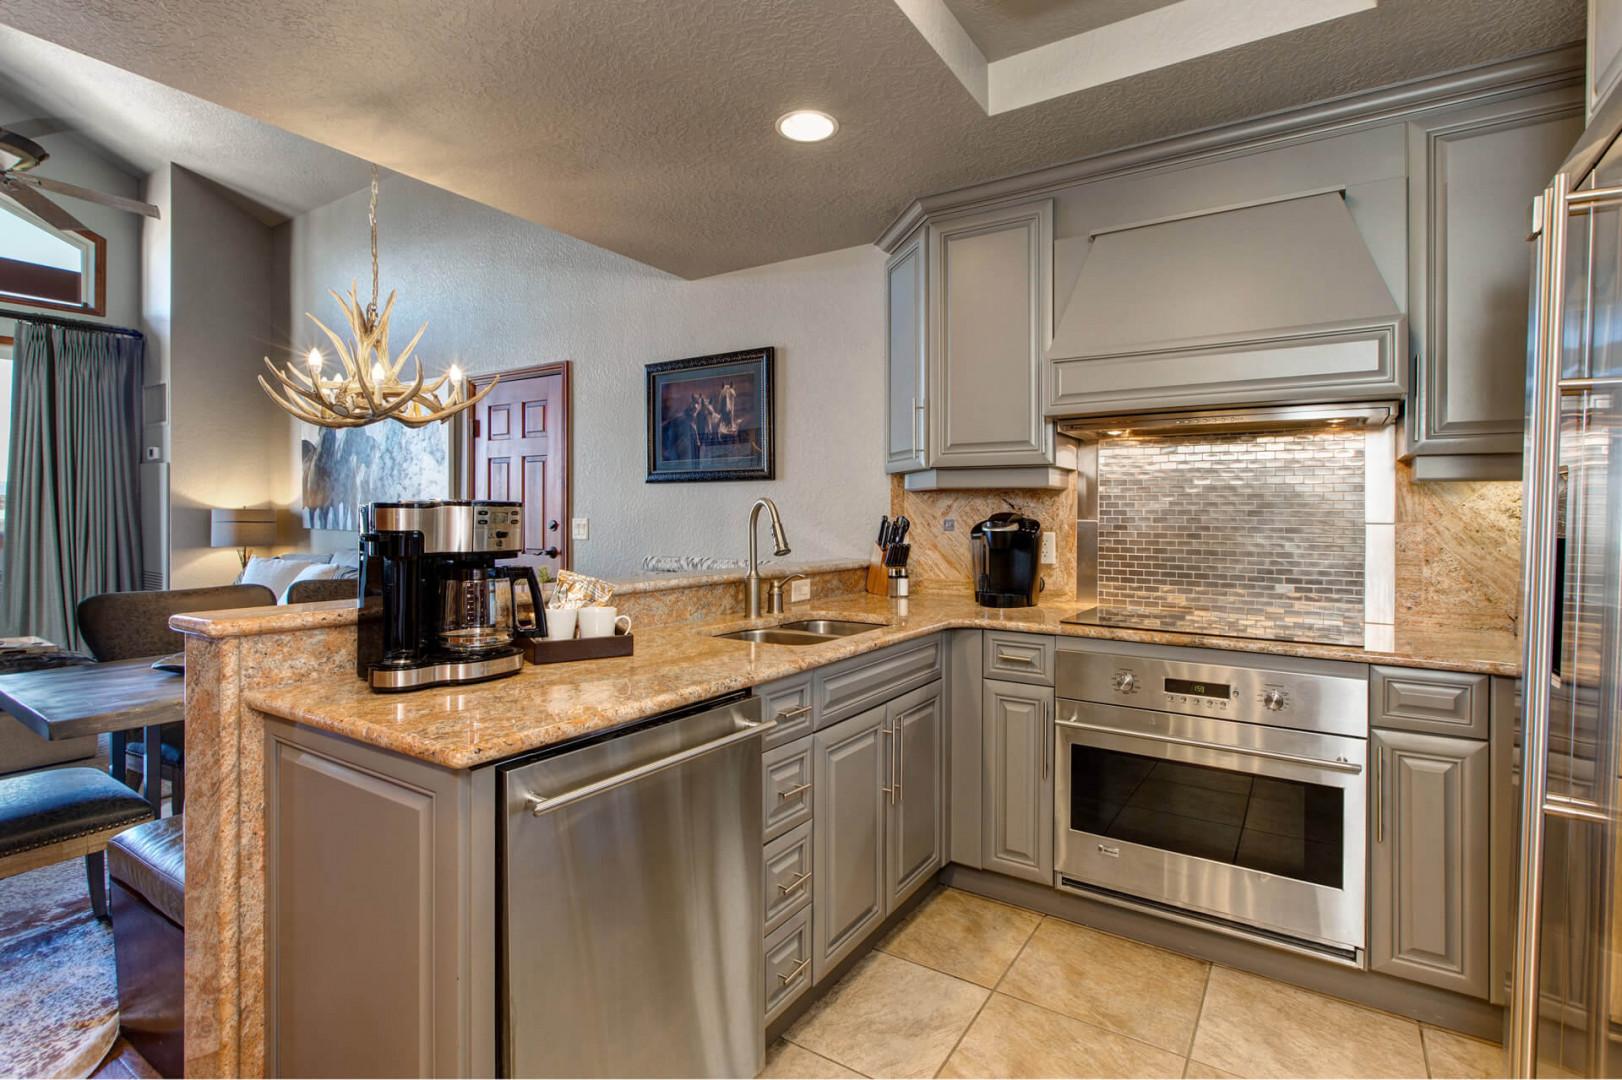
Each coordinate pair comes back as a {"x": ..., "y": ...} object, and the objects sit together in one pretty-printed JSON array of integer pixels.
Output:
[
  {"x": 131, "y": 625},
  {"x": 57, "y": 814},
  {"x": 148, "y": 867}
]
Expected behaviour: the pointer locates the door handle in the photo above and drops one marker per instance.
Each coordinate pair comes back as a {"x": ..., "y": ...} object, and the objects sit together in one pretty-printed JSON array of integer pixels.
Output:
[
  {"x": 1379, "y": 794},
  {"x": 794, "y": 972},
  {"x": 552, "y": 526},
  {"x": 797, "y": 883},
  {"x": 793, "y": 792},
  {"x": 889, "y": 789},
  {"x": 1010, "y": 658},
  {"x": 1048, "y": 738},
  {"x": 793, "y": 714},
  {"x": 1200, "y": 744},
  {"x": 551, "y": 552}
]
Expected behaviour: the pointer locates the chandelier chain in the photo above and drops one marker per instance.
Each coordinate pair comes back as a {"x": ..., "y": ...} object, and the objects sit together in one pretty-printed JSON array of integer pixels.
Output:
[{"x": 371, "y": 309}]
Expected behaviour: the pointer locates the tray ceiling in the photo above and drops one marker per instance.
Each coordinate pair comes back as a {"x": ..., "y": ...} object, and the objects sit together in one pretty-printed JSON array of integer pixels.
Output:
[{"x": 646, "y": 128}]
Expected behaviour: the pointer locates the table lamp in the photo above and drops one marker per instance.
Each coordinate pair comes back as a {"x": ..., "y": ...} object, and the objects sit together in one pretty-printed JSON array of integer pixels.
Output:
[{"x": 242, "y": 528}]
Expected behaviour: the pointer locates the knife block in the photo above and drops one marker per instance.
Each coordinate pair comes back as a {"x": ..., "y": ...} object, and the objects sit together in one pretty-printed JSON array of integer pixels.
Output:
[{"x": 878, "y": 579}]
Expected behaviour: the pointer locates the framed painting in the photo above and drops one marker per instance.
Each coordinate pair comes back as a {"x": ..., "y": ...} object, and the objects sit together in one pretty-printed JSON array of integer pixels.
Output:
[{"x": 711, "y": 418}]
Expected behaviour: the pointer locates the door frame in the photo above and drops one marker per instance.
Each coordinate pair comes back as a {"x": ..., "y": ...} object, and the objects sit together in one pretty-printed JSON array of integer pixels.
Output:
[{"x": 470, "y": 437}]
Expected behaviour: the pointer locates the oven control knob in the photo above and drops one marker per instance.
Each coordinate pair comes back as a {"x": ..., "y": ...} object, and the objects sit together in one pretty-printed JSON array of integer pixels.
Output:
[
  {"x": 1125, "y": 682},
  {"x": 1273, "y": 700}
]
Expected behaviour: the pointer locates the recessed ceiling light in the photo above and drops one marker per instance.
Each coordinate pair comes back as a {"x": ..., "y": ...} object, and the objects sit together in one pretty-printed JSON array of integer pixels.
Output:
[{"x": 806, "y": 125}]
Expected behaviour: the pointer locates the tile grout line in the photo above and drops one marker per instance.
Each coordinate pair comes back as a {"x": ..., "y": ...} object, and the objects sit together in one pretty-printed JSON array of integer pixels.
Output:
[
  {"x": 1096, "y": 1026},
  {"x": 820, "y": 1054},
  {"x": 991, "y": 992},
  {"x": 1425, "y": 1051},
  {"x": 1199, "y": 1015}
]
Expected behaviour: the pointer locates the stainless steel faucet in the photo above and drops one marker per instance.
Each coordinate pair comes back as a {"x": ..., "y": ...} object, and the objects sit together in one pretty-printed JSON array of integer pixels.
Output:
[{"x": 751, "y": 583}]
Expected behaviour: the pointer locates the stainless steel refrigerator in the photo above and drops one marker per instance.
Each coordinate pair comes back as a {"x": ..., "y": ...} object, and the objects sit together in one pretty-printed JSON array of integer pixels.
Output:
[{"x": 1565, "y": 1001}]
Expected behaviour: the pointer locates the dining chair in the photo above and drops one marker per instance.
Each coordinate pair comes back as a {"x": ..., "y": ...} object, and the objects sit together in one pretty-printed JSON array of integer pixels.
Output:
[{"x": 130, "y": 625}]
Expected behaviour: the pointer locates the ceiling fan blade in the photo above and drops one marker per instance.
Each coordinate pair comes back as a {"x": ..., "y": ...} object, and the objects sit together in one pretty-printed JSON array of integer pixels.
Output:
[
  {"x": 74, "y": 191},
  {"x": 38, "y": 205}
]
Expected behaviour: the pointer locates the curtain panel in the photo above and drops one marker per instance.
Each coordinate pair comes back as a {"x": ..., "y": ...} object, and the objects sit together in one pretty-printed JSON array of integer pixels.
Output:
[{"x": 72, "y": 517}]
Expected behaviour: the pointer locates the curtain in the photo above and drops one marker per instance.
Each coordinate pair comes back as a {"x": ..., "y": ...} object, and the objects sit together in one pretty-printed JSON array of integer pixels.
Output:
[{"x": 72, "y": 516}]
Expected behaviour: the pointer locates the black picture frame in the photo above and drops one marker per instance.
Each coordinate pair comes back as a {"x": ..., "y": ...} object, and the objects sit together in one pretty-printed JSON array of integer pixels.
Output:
[{"x": 727, "y": 427}]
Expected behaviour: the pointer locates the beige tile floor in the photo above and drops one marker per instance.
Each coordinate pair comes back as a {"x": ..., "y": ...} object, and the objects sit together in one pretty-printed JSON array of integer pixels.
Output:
[{"x": 970, "y": 987}]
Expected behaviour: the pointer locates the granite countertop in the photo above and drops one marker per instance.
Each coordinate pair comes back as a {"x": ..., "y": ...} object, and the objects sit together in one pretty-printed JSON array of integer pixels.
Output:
[{"x": 681, "y": 664}]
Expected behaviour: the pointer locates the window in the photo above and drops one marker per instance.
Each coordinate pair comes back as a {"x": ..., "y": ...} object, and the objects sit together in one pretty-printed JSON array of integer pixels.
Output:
[{"x": 44, "y": 267}]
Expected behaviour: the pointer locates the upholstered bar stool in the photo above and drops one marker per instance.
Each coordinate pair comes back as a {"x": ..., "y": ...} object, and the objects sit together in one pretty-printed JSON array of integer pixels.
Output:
[
  {"x": 57, "y": 814},
  {"x": 148, "y": 867}
]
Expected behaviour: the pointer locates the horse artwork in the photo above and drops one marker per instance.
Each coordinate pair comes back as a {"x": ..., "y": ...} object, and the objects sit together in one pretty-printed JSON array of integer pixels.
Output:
[{"x": 711, "y": 418}]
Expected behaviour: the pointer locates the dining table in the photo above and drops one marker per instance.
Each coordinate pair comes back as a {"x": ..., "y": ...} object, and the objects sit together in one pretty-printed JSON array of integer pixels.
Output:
[{"x": 118, "y": 697}]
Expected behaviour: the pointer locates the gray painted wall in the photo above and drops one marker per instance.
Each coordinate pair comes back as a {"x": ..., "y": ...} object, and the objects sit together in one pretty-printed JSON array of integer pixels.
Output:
[{"x": 499, "y": 293}]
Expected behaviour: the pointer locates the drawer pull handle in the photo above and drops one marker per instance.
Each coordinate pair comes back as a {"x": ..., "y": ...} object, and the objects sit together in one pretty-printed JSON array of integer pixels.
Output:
[
  {"x": 795, "y": 885},
  {"x": 793, "y": 792},
  {"x": 793, "y": 714},
  {"x": 795, "y": 972},
  {"x": 1010, "y": 658}
]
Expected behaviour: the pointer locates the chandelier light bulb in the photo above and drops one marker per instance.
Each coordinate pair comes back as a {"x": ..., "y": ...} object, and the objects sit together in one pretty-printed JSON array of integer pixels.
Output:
[
  {"x": 455, "y": 374},
  {"x": 314, "y": 360}
]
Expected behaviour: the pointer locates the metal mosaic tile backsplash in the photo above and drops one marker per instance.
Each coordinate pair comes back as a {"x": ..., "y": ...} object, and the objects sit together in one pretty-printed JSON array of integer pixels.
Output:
[{"x": 1251, "y": 535}]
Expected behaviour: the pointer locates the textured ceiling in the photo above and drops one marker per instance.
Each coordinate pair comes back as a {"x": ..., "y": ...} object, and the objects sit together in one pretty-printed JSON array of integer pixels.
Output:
[
  {"x": 146, "y": 124},
  {"x": 1004, "y": 27},
  {"x": 646, "y": 128}
]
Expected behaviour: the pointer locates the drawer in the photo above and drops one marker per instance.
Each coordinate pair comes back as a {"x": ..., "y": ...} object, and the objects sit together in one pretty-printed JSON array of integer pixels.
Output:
[
  {"x": 859, "y": 684},
  {"x": 786, "y": 787},
  {"x": 788, "y": 701},
  {"x": 1026, "y": 658},
  {"x": 788, "y": 963},
  {"x": 1433, "y": 702},
  {"x": 788, "y": 875}
]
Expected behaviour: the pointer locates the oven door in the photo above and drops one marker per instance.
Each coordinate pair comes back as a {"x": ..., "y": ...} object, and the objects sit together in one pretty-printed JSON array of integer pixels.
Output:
[{"x": 1236, "y": 823}]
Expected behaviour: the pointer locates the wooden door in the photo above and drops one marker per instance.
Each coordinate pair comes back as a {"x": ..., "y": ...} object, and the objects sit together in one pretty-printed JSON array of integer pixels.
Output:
[
  {"x": 520, "y": 452},
  {"x": 1018, "y": 823},
  {"x": 1429, "y": 889}
]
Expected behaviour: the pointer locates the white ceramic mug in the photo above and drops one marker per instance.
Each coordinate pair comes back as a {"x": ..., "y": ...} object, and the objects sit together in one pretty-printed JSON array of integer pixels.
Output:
[
  {"x": 602, "y": 621},
  {"x": 560, "y": 623}
]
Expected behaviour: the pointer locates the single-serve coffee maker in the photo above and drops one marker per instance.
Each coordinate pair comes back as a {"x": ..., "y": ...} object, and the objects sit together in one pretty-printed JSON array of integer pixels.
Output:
[
  {"x": 1006, "y": 550},
  {"x": 450, "y": 614}
]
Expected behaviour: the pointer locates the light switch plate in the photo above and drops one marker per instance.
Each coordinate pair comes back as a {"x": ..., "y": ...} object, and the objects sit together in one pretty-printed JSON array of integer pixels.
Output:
[
  {"x": 580, "y": 528},
  {"x": 1050, "y": 548},
  {"x": 799, "y": 591}
]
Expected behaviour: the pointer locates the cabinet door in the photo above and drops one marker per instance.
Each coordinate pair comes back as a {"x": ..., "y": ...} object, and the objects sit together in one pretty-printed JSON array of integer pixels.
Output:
[
  {"x": 990, "y": 279},
  {"x": 1018, "y": 803},
  {"x": 904, "y": 428},
  {"x": 915, "y": 834},
  {"x": 1429, "y": 892},
  {"x": 852, "y": 781},
  {"x": 1471, "y": 177}
]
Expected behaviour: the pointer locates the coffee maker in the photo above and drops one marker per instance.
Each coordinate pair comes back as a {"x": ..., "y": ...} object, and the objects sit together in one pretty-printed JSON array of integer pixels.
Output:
[
  {"x": 450, "y": 614},
  {"x": 1006, "y": 549}
]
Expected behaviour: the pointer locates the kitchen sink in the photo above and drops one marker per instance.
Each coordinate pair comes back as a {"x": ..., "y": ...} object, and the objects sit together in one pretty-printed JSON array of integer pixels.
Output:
[
  {"x": 830, "y": 627},
  {"x": 803, "y": 632}
]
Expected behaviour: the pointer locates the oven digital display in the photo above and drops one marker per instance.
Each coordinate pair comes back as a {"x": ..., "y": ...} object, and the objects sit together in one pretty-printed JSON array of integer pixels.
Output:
[{"x": 1199, "y": 689}]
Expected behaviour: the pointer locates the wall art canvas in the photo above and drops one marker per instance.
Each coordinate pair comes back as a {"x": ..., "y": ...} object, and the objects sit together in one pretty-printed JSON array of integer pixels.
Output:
[
  {"x": 711, "y": 418},
  {"x": 346, "y": 468}
]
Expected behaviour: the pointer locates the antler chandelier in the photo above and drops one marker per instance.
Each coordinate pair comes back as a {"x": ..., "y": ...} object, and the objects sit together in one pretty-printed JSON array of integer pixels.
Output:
[{"x": 370, "y": 389}]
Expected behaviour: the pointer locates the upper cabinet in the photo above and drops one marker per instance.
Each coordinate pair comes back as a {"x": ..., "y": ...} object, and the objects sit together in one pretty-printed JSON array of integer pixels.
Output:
[
  {"x": 969, "y": 300},
  {"x": 1604, "y": 50},
  {"x": 1472, "y": 175}
]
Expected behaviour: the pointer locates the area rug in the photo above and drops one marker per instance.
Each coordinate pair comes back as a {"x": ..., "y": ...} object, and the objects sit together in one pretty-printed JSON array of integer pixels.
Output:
[{"x": 58, "y": 982}]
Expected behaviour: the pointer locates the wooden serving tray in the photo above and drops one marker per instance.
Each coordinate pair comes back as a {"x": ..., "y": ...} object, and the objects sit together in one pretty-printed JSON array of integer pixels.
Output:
[{"x": 542, "y": 651}]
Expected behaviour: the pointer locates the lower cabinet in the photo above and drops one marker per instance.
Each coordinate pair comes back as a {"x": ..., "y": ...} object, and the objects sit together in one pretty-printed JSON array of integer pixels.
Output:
[
  {"x": 879, "y": 820},
  {"x": 1017, "y": 815},
  {"x": 1429, "y": 886}
]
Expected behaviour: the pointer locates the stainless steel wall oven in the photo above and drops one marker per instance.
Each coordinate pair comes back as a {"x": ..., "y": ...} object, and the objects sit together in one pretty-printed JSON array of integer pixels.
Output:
[{"x": 1227, "y": 794}]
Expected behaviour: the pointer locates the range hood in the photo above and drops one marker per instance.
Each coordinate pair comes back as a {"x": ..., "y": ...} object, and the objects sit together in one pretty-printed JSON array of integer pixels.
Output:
[
  {"x": 1274, "y": 301},
  {"x": 1348, "y": 415}
]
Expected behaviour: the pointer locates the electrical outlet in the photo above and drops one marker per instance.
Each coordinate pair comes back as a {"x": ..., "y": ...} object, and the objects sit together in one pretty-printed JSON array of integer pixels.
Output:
[
  {"x": 799, "y": 591},
  {"x": 1050, "y": 548},
  {"x": 580, "y": 528}
]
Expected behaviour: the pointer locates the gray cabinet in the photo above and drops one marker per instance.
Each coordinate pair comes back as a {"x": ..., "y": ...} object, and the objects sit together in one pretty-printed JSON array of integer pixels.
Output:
[
  {"x": 904, "y": 428},
  {"x": 1017, "y": 828},
  {"x": 853, "y": 779},
  {"x": 990, "y": 286},
  {"x": 1604, "y": 50},
  {"x": 1429, "y": 883},
  {"x": 1472, "y": 174},
  {"x": 915, "y": 835}
]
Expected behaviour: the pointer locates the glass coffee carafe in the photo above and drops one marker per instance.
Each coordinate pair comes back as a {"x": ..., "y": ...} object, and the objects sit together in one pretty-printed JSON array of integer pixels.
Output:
[{"x": 479, "y": 609}]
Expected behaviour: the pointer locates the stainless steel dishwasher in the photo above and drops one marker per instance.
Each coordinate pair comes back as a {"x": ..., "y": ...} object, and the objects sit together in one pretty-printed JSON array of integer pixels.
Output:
[{"x": 631, "y": 901}]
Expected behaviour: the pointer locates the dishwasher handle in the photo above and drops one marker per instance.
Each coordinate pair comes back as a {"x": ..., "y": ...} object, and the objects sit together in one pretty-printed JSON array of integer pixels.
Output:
[{"x": 539, "y": 804}]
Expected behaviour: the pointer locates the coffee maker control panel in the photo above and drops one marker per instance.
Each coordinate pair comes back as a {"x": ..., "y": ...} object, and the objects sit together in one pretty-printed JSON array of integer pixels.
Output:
[
  {"x": 498, "y": 528},
  {"x": 453, "y": 528}
]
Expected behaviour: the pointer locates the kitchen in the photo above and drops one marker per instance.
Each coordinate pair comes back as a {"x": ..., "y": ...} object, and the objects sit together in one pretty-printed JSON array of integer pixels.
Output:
[{"x": 1242, "y": 525}]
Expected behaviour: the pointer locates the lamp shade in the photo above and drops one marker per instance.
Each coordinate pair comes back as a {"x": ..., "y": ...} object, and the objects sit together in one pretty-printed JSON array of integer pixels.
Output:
[{"x": 242, "y": 527}]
